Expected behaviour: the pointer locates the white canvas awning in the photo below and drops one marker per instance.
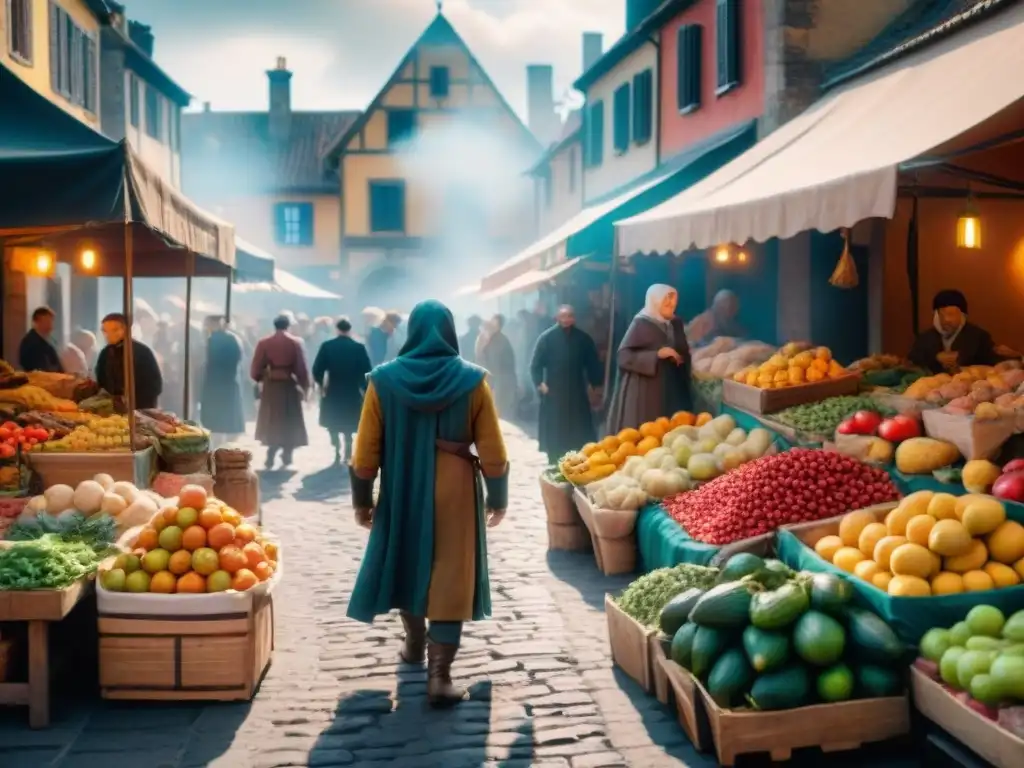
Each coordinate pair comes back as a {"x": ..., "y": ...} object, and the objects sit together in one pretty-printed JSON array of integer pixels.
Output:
[
  {"x": 286, "y": 282},
  {"x": 837, "y": 163},
  {"x": 531, "y": 279}
]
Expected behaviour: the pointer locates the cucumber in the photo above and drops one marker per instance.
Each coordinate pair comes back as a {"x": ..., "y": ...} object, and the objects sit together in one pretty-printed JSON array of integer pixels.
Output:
[
  {"x": 677, "y": 610},
  {"x": 819, "y": 639},
  {"x": 877, "y": 682},
  {"x": 730, "y": 678},
  {"x": 836, "y": 684},
  {"x": 766, "y": 650},
  {"x": 724, "y": 606},
  {"x": 871, "y": 639},
  {"x": 739, "y": 565},
  {"x": 780, "y": 607},
  {"x": 787, "y": 688},
  {"x": 682, "y": 645},
  {"x": 830, "y": 593},
  {"x": 708, "y": 644}
]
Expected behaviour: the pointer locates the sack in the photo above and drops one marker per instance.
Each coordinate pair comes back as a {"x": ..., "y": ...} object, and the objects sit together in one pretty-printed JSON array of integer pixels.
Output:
[{"x": 845, "y": 274}]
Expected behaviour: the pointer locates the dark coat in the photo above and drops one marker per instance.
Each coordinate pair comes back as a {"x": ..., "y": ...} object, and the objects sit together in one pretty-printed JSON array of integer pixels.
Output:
[
  {"x": 648, "y": 387},
  {"x": 498, "y": 357},
  {"x": 38, "y": 354},
  {"x": 220, "y": 401},
  {"x": 566, "y": 361},
  {"x": 973, "y": 346},
  {"x": 148, "y": 381},
  {"x": 344, "y": 362},
  {"x": 377, "y": 346}
]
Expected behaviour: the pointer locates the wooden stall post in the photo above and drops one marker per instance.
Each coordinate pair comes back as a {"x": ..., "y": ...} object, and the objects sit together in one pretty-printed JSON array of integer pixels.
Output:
[
  {"x": 129, "y": 314},
  {"x": 190, "y": 270}
]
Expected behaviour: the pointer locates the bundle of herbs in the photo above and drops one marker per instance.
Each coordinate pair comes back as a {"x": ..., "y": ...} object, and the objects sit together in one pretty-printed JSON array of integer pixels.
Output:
[{"x": 48, "y": 562}]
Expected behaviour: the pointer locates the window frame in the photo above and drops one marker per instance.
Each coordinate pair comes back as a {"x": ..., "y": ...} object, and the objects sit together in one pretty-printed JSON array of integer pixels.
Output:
[
  {"x": 27, "y": 27},
  {"x": 728, "y": 46},
  {"x": 436, "y": 80},
  {"x": 74, "y": 60},
  {"x": 593, "y": 135},
  {"x": 302, "y": 235},
  {"x": 622, "y": 118},
  {"x": 397, "y": 184},
  {"x": 157, "y": 133},
  {"x": 134, "y": 107},
  {"x": 394, "y": 141},
  {"x": 689, "y": 90},
  {"x": 643, "y": 107}
]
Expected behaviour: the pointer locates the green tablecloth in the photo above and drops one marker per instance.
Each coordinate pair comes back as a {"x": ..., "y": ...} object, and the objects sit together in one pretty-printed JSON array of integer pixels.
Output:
[{"x": 661, "y": 542}]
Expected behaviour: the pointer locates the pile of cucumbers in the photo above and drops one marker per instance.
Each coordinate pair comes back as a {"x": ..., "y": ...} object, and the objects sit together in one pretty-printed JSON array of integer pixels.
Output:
[{"x": 770, "y": 638}]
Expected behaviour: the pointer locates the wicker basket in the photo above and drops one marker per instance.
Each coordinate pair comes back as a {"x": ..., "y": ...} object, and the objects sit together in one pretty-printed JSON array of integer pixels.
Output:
[
  {"x": 568, "y": 538},
  {"x": 558, "y": 502},
  {"x": 187, "y": 463}
]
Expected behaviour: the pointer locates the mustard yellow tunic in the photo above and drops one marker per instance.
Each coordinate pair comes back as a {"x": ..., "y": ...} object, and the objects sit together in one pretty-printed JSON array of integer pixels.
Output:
[{"x": 453, "y": 576}]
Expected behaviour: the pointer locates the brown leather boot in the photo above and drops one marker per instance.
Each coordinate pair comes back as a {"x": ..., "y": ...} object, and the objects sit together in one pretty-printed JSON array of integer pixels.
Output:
[
  {"x": 440, "y": 691},
  {"x": 413, "y": 650}
]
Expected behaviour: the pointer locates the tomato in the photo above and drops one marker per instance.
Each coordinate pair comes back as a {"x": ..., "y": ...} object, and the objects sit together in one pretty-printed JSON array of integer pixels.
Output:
[
  {"x": 866, "y": 422},
  {"x": 6, "y": 451},
  {"x": 4, "y": 433},
  {"x": 11, "y": 425},
  {"x": 33, "y": 441}
]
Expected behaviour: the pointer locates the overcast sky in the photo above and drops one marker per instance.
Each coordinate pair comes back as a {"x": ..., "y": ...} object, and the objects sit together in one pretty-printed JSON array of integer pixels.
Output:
[{"x": 342, "y": 51}]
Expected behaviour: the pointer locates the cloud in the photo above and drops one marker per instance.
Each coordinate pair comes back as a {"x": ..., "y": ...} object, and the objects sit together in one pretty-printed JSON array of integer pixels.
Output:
[{"x": 342, "y": 51}]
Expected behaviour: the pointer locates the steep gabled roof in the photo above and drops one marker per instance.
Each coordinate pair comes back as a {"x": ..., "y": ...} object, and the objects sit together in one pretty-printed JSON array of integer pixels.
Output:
[
  {"x": 439, "y": 32},
  {"x": 571, "y": 130}
]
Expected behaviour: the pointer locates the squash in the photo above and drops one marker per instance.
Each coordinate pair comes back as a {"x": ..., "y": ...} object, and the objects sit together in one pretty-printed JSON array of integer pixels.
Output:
[
  {"x": 949, "y": 538},
  {"x": 971, "y": 560},
  {"x": 919, "y": 528},
  {"x": 884, "y": 549},
  {"x": 827, "y": 547},
  {"x": 978, "y": 581},
  {"x": 909, "y": 586},
  {"x": 1006, "y": 543},
  {"x": 1002, "y": 575},
  {"x": 943, "y": 506},
  {"x": 983, "y": 516},
  {"x": 946, "y": 583},
  {"x": 978, "y": 475},
  {"x": 852, "y": 524},
  {"x": 911, "y": 560},
  {"x": 923, "y": 455},
  {"x": 847, "y": 558},
  {"x": 869, "y": 537}
]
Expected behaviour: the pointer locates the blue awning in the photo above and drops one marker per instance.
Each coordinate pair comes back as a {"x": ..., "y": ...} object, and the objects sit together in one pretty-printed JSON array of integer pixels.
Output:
[{"x": 252, "y": 263}]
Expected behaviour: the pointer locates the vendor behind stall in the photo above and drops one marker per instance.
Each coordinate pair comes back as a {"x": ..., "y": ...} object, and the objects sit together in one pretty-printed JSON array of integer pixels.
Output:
[
  {"x": 110, "y": 365},
  {"x": 952, "y": 342},
  {"x": 720, "y": 320},
  {"x": 37, "y": 351}
]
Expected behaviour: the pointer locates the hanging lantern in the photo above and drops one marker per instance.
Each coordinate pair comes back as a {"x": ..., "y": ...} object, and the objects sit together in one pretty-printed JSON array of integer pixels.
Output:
[
  {"x": 722, "y": 254},
  {"x": 845, "y": 274},
  {"x": 968, "y": 227},
  {"x": 87, "y": 258}
]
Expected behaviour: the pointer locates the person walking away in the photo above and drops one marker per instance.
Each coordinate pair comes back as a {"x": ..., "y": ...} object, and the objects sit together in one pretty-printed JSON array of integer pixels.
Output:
[
  {"x": 340, "y": 372},
  {"x": 467, "y": 342},
  {"x": 149, "y": 381},
  {"x": 498, "y": 358},
  {"x": 279, "y": 366},
  {"x": 564, "y": 365},
  {"x": 220, "y": 397},
  {"x": 653, "y": 362},
  {"x": 37, "y": 351},
  {"x": 427, "y": 551},
  {"x": 380, "y": 343},
  {"x": 720, "y": 320}
]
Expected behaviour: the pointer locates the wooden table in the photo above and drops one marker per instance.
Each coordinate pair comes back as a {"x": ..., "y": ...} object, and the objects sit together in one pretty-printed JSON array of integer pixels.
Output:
[{"x": 38, "y": 608}]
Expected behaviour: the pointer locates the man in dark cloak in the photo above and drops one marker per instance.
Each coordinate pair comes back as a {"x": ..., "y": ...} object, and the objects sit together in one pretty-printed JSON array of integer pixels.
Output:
[
  {"x": 952, "y": 342},
  {"x": 564, "y": 365},
  {"x": 380, "y": 343},
  {"x": 340, "y": 372},
  {"x": 495, "y": 354},
  {"x": 220, "y": 400},
  {"x": 467, "y": 342},
  {"x": 37, "y": 351},
  {"x": 149, "y": 382}
]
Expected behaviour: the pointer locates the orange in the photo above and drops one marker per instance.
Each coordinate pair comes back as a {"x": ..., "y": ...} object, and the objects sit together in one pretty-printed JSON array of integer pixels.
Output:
[
  {"x": 193, "y": 538},
  {"x": 192, "y": 583},
  {"x": 263, "y": 571},
  {"x": 246, "y": 532},
  {"x": 651, "y": 429},
  {"x": 180, "y": 562},
  {"x": 209, "y": 517},
  {"x": 205, "y": 561},
  {"x": 163, "y": 582},
  {"x": 231, "y": 516},
  {"x": 158, "y": 521},
  {"x": 646, "y": 445},
  {"x": 221, "y": 535},
  {"x": 590, "y": 449},
  {"x": 139, "y": 552},
  {"x": 609, "y": 444},
  {"x": 148, "y": 539},
  {"x": 683, "y": 419},
  {"x": 244, "y": 579},
  {"x": 702, "y": 419},
  {"x": 192, "y": 496},
  {"x": 629, "y": 435},
  {"x": 254, "y": 554},
  {"x": 232, "y": 559},
  {"x": 270, "y": 548},
  {"x": 663, "y": 424},
  {"x": 170, "y": 515}
]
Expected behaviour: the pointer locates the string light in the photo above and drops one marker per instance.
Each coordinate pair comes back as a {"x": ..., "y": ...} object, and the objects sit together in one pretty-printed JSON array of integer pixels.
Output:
[
  {"x": 88, "y": 259},
  {"x": 968, "y": 227},
  {"x": 44, "y": 262}
]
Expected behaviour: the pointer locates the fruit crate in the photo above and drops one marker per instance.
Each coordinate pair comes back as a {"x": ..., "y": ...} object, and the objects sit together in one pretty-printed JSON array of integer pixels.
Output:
[
  {"x": 837, "y": 727},
  {"x": 631, "y": 643},
  {"x": 693, "y": 717},
  {"x": 216, "y": 657},
  {"x": 761, "y": 401},
  {"x": 137, "y": 467},
  {"x": 612, "y": 533},
  {"x": 996, "y": 744},
  {"x": 659, "y": 650},
  {"x": 974, "y": 438}
]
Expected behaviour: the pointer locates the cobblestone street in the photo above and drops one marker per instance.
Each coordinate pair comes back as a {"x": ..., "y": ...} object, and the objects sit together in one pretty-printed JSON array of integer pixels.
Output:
[{"x": 543, "y": 689}]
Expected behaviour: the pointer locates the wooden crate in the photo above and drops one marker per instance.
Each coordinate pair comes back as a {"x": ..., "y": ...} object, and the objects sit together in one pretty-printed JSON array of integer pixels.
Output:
[
  {"x": 630, "y": 642},
  {"x": 659, "y": 651},
  {"x": 186, "y": 658},
  {"x": 830, "y": 727},
  {"x": 136, "y": 467},
  {"x": 693, "y": 718},
  {"x": 997, "y": 745},
  {"x": 614, "y": 556},
  {"x": 762, "y": 401}
]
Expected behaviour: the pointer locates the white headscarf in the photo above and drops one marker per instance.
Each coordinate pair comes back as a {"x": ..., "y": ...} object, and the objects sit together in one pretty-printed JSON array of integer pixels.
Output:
[{"x": 652, "y": 304}]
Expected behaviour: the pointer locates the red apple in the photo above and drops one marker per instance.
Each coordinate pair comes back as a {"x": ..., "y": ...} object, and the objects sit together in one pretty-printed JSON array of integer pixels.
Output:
[
  {"x": 1017, "y": 465},
  {"x": 899, "y": 428},
  {"x": 1009, "y": 487},
  {"x": 866, "y": 422}
]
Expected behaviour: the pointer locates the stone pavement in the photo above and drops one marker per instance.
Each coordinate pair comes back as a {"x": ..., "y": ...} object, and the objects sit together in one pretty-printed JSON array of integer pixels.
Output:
[{"x": 543, "y": 689}]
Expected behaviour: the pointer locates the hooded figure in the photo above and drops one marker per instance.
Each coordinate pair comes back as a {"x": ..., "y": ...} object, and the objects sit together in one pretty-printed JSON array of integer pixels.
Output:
[
  {"x": 427, "y": 551},
  {"x": 952, "y": 342},
  {"x": 719, "y": 320},
  {"x": 653, "y": 364}
]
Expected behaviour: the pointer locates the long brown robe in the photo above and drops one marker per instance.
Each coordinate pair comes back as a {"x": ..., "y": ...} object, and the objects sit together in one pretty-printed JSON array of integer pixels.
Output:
[
  {"x": 279, "y": 365},
  {"x": 647, "y": 386}
]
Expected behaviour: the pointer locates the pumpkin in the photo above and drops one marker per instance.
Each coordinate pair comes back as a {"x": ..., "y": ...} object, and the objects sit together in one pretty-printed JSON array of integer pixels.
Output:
[{"x": 923, "y": 455}]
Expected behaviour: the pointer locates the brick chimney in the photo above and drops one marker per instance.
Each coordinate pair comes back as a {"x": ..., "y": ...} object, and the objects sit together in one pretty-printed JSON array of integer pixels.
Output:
[
  {"x": 593, "y": 49},
  {"x": 540, "y": 102},
  {"x": 280, "y": 100}
]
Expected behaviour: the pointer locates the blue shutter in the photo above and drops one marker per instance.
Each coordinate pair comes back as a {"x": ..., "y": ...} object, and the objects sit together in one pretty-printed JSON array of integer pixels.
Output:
[
  {"x": 401, "y": 125},
  {"x": 595, "y": 134},
  {"x": 688, "y": 67},
  {"x": 727, "y": 41},
  {"x": 305, "y": 223},
  {"x": 643, "y": 106},
  {"x": 620, "y": 127},
  {"x": 387, "y": 206},
  {"x": 572, "y": 169},
  {"x": 90, "y": 75},
  {"x": 439, "y": 82},
  {"x": 54, "y": 48},
  {"x": 279, "y": 227}
]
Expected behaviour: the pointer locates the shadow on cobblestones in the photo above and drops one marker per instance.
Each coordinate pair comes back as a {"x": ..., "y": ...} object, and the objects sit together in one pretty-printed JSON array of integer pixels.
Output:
[
  {"x": 577, "y": 569},
  {"x": 272, "y": 483},
  {"x": 328, "y": 484}
]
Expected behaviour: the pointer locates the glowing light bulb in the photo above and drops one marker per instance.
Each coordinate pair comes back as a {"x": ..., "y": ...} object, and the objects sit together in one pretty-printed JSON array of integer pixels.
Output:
[
  {"x": 43, "y": 262},
  {"x": 88, "y": 259},
  {"x": 741, "y": 257},
  {"x": 722, "y": 255}
]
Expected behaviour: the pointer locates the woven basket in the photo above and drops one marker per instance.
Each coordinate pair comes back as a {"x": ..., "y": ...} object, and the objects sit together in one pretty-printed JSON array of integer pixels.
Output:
[
  {"x": 187, "y": 463},
  {"x": 558, "y": 502},
  {"x": 568, "y": 538}
]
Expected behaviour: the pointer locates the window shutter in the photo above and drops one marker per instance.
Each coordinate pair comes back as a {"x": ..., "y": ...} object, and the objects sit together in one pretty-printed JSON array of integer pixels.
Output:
[
  {"x": 596, "y": 113},
  {"x": 439, "y": 82},
  {"x": 688, "y": 69},
  {"x": 90, "y": 75},
  {"x": 54, "y": 47},
  {"x": 620, "y": 127},
  {"x": 643, "y": 106},
  {"x": 306, "y": 224},
  {"x": 727, "y": 37},
  {"x": 279, "y": 222}
]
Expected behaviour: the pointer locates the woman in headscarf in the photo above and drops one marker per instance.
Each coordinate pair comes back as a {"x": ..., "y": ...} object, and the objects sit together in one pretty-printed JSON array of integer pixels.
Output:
[
  {"x": 427, "y": 552},
  {"x": 719, "y": 320},
  {"x": 653, "y": 362},
  {"x": 952, "y": 342}
]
